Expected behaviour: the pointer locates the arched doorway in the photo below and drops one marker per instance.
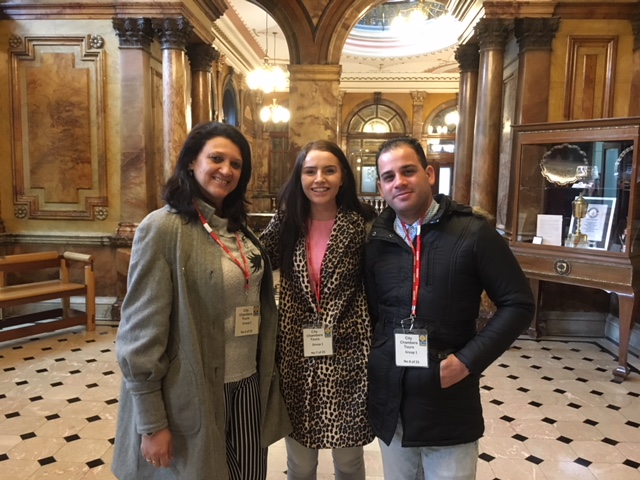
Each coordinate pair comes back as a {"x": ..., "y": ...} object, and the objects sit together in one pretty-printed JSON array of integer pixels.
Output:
[{"x": 367, "y": 128}]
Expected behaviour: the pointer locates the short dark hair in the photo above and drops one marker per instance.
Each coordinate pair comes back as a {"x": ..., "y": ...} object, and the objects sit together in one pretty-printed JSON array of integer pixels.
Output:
[
  {"x": 182, "y": 188},
  {"x": 412, "y": 143}
]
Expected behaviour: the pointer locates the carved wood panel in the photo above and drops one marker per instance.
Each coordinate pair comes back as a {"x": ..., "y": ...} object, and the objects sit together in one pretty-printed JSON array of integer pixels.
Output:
[
  {"x": 590, "y": 77},
  {"x": 58, "y": 120}
]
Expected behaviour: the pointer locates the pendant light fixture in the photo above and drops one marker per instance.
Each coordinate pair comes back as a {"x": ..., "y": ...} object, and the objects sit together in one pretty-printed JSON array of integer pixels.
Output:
[
  {"x": 274, "y": 113},
  {"x": 269, "y": 77}
]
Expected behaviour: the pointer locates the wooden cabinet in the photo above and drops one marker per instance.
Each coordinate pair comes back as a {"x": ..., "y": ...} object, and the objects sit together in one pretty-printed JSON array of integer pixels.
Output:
[{"x": 576, "y": 211}]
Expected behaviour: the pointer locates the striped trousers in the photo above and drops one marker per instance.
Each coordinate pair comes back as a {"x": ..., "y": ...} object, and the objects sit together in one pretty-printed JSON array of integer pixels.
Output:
[{"x": 246, "y": 460}]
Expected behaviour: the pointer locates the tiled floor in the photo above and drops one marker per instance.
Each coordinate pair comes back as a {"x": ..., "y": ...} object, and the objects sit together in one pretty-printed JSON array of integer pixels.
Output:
[{"x": 551, "y": 411}]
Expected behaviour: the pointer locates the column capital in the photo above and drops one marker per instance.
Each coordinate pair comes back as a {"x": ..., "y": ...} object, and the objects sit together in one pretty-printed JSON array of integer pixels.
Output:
[
  {"x": 133, "y": 32},
  {"x": 492, "y": 33},
  {"x": 173, "y": 32},
  {"x": 468, "y": 57},
  {"x": 536, "y": 33},
  {"x": 201, "y": 56},
  {"x": 417, "y": 97}
]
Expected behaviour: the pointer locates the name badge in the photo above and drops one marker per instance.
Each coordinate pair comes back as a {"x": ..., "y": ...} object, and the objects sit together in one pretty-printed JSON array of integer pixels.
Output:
[
  {"x": 318, "y": 340},
  {"x": 412, "y": 348},
  {"x": 247, "y": 320}
]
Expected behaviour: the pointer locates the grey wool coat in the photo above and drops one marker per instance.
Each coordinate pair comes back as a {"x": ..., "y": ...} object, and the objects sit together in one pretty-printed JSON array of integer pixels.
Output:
[{"x": 171, "y": 350}]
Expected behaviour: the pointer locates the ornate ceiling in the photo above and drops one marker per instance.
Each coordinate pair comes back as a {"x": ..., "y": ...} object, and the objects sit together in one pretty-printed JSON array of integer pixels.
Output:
[{"x": 372, "y": 54}]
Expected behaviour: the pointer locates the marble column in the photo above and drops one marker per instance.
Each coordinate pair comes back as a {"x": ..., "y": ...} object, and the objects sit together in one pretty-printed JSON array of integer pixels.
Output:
[
  {"x": 417, "y": 121},
  {"x": 468, "y": 58},
  {"x": 634, "y": 98},
  {"x": 137, "y": 158},
  {"x": 173, "y": 34},
  {"x": 313, "y": 103},
  {"x": 534, "y": 36},
  {"x": 492, "y": 35},
  {"x": 201, "y": 57}
]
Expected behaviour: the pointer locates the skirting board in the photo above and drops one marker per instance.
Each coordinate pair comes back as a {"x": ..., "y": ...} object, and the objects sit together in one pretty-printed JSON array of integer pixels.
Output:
[
  {"x": 612, "y": 332},
  {"x": 103, "y": 308}
]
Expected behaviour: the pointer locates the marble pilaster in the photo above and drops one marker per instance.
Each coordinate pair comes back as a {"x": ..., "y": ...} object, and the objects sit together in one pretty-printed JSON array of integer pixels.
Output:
[
  {"x": 534, "y": 36},
  {"x": 492, "y": 36},
  {"x": 137, "y": 152},
  {"x": 137, "y": 159},
  {"x": 241, "y": 86},
  {"x": 201, "y": 57},
  {"x": 417, "y": 121},
  {"x": 468, "y": 58},
  {"x": 261, "y": 148},
  {"x": 634, "y": 98},
  {"x": 217, "y": 84},
  {"x": 313, "y": 103},
  {"x": 173, "y": 34},
  {"x": 339, "y": 134}
]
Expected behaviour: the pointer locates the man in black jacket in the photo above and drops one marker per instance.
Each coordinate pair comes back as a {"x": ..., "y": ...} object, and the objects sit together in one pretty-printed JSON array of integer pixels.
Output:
[{"x": 427, "y": 262}]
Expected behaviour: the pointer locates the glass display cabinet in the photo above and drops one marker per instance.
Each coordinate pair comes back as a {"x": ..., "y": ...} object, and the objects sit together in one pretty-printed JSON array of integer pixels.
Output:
[{"x": 576, "y": 211}]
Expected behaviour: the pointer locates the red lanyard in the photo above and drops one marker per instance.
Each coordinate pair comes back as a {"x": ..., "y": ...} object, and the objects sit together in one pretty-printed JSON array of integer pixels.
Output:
[
  {"x": 316, "y": 287},
  {"x": 245, "y": 270},
  {"x": 416, "y": 265}
]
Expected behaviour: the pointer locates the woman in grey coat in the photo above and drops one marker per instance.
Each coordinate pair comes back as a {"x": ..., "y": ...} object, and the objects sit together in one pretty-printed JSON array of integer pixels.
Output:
[{"x": 200, "y": 394}]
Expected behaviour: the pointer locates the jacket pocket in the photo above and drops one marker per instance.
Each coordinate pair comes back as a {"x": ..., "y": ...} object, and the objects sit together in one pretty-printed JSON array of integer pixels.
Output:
[
  {"x": 179, "y": 388},
  {"x": 384, "y": 378}
]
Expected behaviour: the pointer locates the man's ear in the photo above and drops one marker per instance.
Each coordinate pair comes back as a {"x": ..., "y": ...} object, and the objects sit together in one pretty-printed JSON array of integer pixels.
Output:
[{"x": 431, "y": 174}]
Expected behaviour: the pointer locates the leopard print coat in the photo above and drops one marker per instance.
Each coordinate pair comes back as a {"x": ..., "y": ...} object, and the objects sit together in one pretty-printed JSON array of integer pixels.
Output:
[{"x": 326, "y": 396}]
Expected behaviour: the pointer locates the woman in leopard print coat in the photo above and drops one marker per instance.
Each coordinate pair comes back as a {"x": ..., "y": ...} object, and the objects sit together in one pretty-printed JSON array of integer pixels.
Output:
[{"x": 316, "y": 239}]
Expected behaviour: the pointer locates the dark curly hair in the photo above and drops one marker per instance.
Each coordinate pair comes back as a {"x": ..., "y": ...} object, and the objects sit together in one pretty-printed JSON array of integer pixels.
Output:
[{"x": 182, "y": 189}]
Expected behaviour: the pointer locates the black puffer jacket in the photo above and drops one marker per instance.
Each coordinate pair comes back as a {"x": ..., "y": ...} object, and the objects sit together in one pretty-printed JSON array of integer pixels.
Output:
[{"x": 462, "y": 255}]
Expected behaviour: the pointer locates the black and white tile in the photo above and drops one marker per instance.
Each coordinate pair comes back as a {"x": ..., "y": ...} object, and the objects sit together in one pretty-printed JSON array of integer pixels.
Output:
[{"x": 552, "y": 412}]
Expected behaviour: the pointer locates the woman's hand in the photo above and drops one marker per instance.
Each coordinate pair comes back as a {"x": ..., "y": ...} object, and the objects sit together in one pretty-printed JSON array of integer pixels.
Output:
[{"x": 157, "y": 449}]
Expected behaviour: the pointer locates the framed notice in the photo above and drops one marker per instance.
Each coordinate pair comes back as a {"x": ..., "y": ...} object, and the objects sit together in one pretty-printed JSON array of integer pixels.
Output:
[
  {"x": 597, "y": 223},
  {"x": 549, "y": 230}
]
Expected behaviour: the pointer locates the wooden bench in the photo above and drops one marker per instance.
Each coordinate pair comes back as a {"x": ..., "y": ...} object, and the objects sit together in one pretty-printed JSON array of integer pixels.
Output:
[{"x": 37, "y": 291}]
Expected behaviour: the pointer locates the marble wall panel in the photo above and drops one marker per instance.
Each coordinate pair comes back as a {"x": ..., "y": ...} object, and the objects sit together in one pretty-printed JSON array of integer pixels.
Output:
[{"x": 58, "y": 138}]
